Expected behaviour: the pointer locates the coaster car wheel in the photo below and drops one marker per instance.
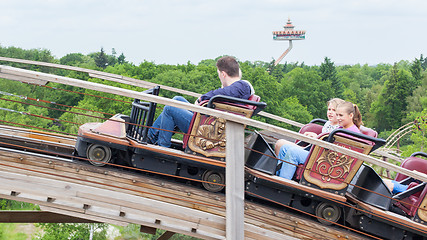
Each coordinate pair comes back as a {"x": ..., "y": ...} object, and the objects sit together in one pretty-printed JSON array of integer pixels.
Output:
[
  {"x": 328, "y": 211},
  {"x": 214, "y": 177},
  {"x": 98, "y": 155}
]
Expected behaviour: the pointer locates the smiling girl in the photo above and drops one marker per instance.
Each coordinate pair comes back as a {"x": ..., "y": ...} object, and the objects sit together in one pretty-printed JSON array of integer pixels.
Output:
[
  {"x": 349, "y": 117},
  {"x": 332, "y": 122}
]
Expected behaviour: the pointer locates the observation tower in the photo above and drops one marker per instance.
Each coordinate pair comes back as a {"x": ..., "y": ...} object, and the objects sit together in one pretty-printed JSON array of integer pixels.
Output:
[{"x": 289, "y": 34}]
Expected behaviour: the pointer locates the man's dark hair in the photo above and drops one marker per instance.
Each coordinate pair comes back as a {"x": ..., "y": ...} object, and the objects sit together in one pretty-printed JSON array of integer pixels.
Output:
[{"x": 229, "y": 65}]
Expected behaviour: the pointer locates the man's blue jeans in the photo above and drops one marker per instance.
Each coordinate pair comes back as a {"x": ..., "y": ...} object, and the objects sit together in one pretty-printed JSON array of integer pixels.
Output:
[
  {"x": 170, "y": 118},
  {"x": 292, "y": 155}
]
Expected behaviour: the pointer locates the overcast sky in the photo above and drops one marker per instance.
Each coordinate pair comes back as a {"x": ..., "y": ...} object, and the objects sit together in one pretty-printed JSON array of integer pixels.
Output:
[{"x": 177, "y": 31}]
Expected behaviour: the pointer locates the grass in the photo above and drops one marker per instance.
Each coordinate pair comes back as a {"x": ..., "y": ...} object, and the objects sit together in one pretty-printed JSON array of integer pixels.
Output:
[{"x": 7, "y": 232}]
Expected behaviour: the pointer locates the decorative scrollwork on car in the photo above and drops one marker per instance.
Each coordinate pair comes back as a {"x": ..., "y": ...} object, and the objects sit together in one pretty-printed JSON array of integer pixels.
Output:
[
  {"x": 211, "y": 134},
  {"x": 332, "y": 165}
]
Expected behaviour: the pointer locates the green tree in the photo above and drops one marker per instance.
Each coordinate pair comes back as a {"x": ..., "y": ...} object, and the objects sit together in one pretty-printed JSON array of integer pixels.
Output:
[
  {"x": 290, "y": 108},
  {"x": 308, "y": 87},
  {"x": 72, "y": 59},
  {"x": 418, "y": 100},
  {"x": 111, "y": 60},
  {"x": 101, "y": 59},
  {"x": 263, "y": 83},
  {"x": 279, "y": 71},
  {"x": 389, "y": 108},
  {"x": 208, "y": 62},
  {"x": 350, "y": 95},
  {"x": 121, "y": 59},
  {"x": 416, "y": 71},
  {"x": 365, "y": 103},
  {"x": 328, "y": 72},
  {"x": 146, "y": 70},
  {"x": 72, "y": 231},
  {"x": 423, "y": 61}
]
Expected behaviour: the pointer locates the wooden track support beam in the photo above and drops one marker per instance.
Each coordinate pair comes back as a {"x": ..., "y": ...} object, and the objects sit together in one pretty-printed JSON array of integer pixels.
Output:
[
  {"x": 166, "y": 235},
  {"x": 147, "y": 229},
  {"x": 38, "y": 217},
  {"x": 152, "y": 230}
]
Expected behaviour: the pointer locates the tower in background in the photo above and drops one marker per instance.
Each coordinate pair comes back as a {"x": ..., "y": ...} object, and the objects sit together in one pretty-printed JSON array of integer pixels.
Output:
[{"x": 289, "y": 34}]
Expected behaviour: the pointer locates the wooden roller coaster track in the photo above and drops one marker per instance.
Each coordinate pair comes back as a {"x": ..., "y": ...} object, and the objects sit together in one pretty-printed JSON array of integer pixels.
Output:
[{"x": 121, "y": 197}]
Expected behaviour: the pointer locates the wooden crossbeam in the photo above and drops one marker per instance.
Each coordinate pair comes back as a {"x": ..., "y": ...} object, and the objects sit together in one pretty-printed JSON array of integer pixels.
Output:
[
  {"x": 39, "y": 217},
  {"x": 147, "y": 229},
  {"x": 152, "y": 230},
  {"x": 166, "y": 235}
]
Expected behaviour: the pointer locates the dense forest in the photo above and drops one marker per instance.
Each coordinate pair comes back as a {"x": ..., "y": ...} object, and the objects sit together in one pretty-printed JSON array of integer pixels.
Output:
[{"x": 388, "y": 95}]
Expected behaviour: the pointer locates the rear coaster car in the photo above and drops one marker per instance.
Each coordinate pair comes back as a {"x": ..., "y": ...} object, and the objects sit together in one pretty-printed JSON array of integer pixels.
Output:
[{"x": 402, "y": 216}]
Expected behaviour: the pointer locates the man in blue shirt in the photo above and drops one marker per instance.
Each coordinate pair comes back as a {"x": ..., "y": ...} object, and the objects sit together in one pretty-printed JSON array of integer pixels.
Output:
[{"x": 229, "y": 73}]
